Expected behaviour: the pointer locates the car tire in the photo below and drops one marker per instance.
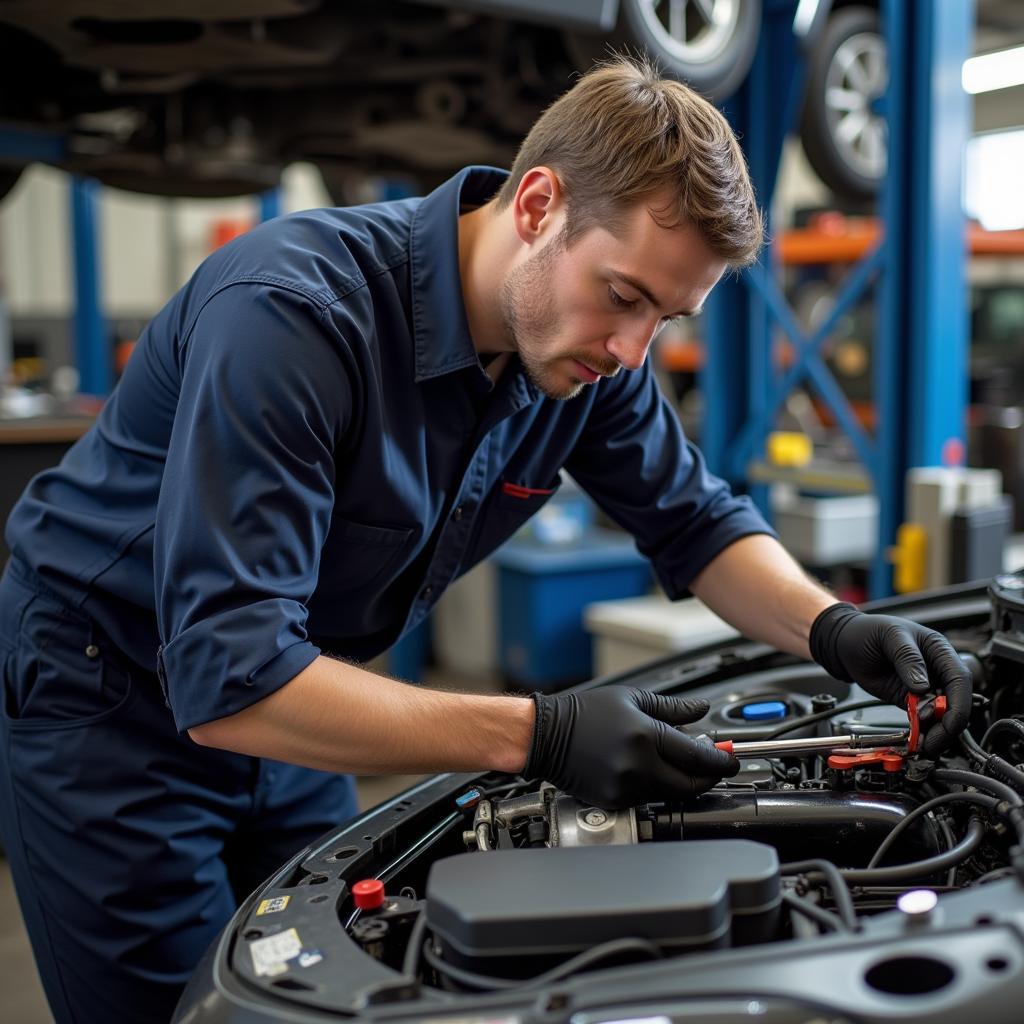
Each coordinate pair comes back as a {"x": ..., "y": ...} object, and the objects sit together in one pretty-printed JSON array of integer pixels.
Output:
[
  {"x": 843, "y": 137},
  {"x": 711, "y": 58},
  {"x": 714, "y": 60}
]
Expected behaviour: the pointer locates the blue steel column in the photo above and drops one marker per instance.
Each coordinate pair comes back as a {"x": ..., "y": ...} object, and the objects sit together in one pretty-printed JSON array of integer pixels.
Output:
[
  {"x": 921, "y": 344},
  {"x": 738, "y": 371},
  {"x": 92, "y": 346},
  {"x": 939, "y": 336}
]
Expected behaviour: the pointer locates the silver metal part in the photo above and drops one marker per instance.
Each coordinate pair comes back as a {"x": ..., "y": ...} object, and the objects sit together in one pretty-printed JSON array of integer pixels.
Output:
[
  {"x": 525, "y": 806},
  {"x": 483, "y": 823},
  {"x": 815, "y": 744},
  {"x": 578, "y": 824}
]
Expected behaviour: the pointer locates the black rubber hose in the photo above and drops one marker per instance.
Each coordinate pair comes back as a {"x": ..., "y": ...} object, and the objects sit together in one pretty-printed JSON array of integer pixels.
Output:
[
  {"x": 1001, "y": 769},
  {"x": 1009, "y": 726},
  {"x": 973, "y": 748},
  {"x": 983, "y": 799},
  {"x": 994, "y": 786},
  {"x": 411, "y": 961},
  {"x": 833, "y": 922},
  {"x": 993, "y": 764},
  {"x": 840, "y": 892},
  {"x": 902, "y": 872},
  {"x": 964, "y": 778},
  {"x": 820, "y": 716},
  {"x": 588, "y": 958},
  {"x": 947, "y": 834}
]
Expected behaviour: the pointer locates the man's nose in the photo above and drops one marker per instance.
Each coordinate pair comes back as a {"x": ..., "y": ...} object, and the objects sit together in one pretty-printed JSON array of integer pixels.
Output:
[{"x": 629, "y": 345}]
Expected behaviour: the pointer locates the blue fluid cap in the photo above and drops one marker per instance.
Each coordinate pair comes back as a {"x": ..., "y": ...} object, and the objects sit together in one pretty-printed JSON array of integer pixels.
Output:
[{"x": 764, "y": 711}]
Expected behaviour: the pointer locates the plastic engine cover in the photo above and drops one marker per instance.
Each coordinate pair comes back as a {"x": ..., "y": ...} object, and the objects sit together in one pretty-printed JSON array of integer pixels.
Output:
[{"x": 508, "y": 910}]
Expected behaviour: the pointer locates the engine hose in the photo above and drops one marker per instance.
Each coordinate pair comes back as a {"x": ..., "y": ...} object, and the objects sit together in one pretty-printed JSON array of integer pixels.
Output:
[
  {"x": 1007, "y": 726},
  {"x": 903, "y": 872},
  {"x": 983, "y": 799},
  {"x": 840, "y": 893},
  {"x": 992, "y": 764},
  {"x": 828, "y": 920},
  {"x": 1001, "y": 769},
  {"x": 973, "y": 748},
  {"x": 1015, "y": 812},
  {"x": 821, "y": 716}
]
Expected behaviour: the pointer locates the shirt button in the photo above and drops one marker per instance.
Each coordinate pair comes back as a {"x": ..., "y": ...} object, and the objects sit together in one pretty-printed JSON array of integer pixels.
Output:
[
  {"x": 457, "y": 514},
  {"x": 92, "y": 651},
  {"x": 426, "y": 592}
]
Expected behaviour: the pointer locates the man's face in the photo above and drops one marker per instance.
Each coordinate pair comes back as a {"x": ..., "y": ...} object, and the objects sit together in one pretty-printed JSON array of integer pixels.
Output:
[{"x": 575, "y": 315}]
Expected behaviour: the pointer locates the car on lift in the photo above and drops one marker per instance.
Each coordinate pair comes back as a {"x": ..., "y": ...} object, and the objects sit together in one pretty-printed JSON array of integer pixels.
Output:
[
  {"x": 215, "y": 97},
  {"x": 861, "y": 884}
]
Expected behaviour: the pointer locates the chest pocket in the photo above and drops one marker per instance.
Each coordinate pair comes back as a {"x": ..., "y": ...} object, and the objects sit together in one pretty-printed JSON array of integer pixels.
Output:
[
  {"x": 358, "y": 557},
  {"x": 510, "y": 506}
]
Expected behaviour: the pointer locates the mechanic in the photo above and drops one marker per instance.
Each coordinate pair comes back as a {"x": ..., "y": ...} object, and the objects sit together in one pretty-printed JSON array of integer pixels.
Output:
[{"x": 338, "y": 414}]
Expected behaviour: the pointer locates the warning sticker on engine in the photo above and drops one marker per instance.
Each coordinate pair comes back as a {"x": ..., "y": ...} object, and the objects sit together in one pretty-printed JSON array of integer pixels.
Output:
[
  {"x": 270, "y": 955},
  {"x": 272, "y": 906}
]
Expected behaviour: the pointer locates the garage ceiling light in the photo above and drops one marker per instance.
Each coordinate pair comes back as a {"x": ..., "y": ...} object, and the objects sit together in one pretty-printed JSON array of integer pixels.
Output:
[
  {"x": 992, "y": 193},
  {"x": 990, "y": 71}
]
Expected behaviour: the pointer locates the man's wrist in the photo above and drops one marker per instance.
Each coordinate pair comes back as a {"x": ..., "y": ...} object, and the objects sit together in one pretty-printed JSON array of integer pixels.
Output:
[
  {"x": 823, "y": 636},
  {"x": 520, "y": 714}
]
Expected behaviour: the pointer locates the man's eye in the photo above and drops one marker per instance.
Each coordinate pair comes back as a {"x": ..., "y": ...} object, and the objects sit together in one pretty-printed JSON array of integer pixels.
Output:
[{"x": 618, "y": 300}]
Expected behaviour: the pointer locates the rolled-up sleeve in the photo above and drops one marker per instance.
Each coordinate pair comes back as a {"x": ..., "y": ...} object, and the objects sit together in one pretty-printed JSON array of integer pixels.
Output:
[
  {"x": 246, "y": 498},
  {"x": 636, "y": 463}
]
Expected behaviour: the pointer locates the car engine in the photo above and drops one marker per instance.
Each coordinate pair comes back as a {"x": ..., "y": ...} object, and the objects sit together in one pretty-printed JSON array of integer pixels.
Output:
[{"x": 493, "y": 888}]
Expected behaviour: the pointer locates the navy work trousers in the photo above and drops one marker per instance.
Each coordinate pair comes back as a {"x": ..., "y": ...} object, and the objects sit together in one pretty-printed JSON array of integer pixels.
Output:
[{"x": 130, "y": 845}]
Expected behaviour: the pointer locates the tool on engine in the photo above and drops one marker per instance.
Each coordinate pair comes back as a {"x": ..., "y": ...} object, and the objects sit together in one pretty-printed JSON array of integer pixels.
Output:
[
  {"x": 850, "y": 751},
  {"x": 808, "y": 745}
]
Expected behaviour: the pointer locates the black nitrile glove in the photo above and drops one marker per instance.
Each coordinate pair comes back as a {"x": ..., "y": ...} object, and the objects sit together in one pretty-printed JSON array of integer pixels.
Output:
[
  {"x": 891, "y": 658},
  {"x": 615, "y": 747}
]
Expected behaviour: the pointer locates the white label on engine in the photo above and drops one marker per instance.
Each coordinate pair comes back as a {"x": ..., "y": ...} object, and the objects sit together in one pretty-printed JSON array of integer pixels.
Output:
[{"x": 270, "y": 955}]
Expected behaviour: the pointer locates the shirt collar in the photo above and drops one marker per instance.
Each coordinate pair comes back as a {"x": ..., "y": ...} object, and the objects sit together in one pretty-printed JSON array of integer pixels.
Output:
[{"x": 440, "y": 328}]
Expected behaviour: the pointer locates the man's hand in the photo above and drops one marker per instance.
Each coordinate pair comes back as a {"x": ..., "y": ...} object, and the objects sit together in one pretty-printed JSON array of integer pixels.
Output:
[
  {"x": 615, "y": 747},
  {"x": 891, "y": 658}
]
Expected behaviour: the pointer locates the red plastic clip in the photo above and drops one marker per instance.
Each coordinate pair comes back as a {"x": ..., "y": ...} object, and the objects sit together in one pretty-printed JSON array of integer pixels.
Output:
[
  {"x": 890, "y": 760},
  {"x": 913, "y": 703}
]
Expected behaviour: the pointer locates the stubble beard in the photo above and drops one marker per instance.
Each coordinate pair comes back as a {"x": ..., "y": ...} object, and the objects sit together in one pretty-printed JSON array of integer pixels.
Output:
[{"x": 529, "y": 318}]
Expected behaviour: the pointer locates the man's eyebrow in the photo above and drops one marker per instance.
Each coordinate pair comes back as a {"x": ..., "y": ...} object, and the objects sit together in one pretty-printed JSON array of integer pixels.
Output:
[{"x": 648, "y": 295}]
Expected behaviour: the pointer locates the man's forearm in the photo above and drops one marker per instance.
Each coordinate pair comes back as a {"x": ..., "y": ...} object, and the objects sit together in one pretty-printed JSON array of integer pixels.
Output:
[
  {"x": 755, "y": 585},
  {"x": 339, "y": 717}
]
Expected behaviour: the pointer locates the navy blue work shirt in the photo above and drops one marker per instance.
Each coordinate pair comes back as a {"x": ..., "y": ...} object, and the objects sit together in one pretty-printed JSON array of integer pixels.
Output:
[{"x": 304, "y": 451}]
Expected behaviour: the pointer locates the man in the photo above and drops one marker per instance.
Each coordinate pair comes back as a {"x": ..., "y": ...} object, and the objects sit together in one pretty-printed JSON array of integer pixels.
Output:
[{"x": 338, "y": 414}]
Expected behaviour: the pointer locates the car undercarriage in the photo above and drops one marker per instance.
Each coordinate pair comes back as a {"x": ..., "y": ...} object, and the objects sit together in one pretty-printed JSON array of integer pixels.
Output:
[{"x": 807, "y": 888}]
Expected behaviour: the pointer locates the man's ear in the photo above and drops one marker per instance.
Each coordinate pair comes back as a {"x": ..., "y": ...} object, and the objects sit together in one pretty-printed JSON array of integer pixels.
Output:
[{"x": 538, "y": 206}]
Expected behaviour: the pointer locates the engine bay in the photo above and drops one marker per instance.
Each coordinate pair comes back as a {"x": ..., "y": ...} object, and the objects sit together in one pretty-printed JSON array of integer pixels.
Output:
[{"x": 864, "y": 884}]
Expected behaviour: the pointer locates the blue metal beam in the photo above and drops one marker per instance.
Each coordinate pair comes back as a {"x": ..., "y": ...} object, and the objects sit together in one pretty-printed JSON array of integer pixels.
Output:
[
  {"x": 92, "y": 346},
  {"x": 939, "y": 326},
  {"x": 737, "y": 376},
  {"x": 920, "y": 354}
]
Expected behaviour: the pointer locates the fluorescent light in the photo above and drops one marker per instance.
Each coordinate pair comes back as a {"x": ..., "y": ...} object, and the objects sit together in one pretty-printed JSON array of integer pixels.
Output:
[
  {"x": 989, "y": 71},
  {"x": 992, "y": 193}
]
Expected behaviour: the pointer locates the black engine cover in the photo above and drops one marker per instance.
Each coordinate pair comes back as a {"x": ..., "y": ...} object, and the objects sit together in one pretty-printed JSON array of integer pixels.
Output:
[{"x": 510, "y": 911}]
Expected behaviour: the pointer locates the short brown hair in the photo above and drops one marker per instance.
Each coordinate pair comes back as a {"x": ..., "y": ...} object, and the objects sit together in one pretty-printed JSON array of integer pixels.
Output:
[{"x": 621, "y": 135}]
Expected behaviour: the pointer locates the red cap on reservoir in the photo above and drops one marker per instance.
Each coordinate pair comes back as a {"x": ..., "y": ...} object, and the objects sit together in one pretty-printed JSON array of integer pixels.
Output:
[{"x": 368, "y": 894}]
